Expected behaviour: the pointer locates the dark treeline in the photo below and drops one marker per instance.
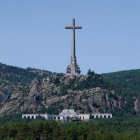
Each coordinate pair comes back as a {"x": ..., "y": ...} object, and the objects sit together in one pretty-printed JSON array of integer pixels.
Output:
[
  {"x": 96, "y": 129},
  {"x": 127, "y": 79},
  {"x": 16, "y": 75}
]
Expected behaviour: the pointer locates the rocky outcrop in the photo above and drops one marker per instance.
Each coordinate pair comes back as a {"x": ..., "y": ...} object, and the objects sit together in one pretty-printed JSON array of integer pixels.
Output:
[
  {"x": 47, "y": 92},
  {"x": 101, "y": 99},
  {"x": 14, "y": 80},
  {"x": 137, "y": 105}
]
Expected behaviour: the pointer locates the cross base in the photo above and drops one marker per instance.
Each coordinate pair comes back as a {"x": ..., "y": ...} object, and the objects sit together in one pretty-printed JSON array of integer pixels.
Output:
[{"x": 73, "y": 69}]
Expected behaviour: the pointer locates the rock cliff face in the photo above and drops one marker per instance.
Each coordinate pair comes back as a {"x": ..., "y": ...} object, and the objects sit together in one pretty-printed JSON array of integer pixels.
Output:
[
  {"x": 14, "y": 80},
  {"x": 48, "y": 93},
  {"x": 137, "y": 105}
]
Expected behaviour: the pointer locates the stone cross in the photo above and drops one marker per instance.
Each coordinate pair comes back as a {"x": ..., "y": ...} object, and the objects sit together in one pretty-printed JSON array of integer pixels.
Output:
[
  {"x": 73, "y": 27},
  {"x": 73, "y": 68}
]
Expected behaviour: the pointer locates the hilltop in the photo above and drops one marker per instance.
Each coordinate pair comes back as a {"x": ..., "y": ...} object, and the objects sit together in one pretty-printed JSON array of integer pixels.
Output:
[{"x": 32, "y": 90}]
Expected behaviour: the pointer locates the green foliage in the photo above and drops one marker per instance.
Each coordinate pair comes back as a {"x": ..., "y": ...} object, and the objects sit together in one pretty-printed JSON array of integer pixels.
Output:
[
  {"x": 52, "y": 110},
  {"x": 60, "y": 107},
  {"x": 128, "y": 79},
  {"x": 114, "y": 96},
  {"x": 39, "y": 98},
  {"x": 18, "y": 79},
  {"x": 96, "y": 129},
  {"x": 16, "y": 74},
  {"x": 95, "y": 105},
  {"x": 101, "y": 110},
  {"x": 95, "y": 80},
  {"x": 89, "y": 109},
  {"x": 115, "y": 92},
  {"x": 56, "y": 81}
]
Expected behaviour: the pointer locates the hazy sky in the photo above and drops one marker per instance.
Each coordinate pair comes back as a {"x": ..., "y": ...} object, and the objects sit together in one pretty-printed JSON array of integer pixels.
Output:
[{"x": 32, "y": 34}]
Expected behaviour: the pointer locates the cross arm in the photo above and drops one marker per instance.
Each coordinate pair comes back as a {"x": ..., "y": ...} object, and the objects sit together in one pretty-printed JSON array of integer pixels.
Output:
[
  {"x": 78, "y": 27},
  {"x": 68, "y": 27}
]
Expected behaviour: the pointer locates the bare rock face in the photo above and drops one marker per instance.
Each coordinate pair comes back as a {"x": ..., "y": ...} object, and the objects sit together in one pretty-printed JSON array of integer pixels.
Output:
[
  {"x": 84, "y": 77},
  {"x": 137, "y": 105},
  {"x": 11, "y": 103},
  {"x": 46, "y": 93},
  {"x": 35, "y": 86},
  {"x": 102, "y": 99}
]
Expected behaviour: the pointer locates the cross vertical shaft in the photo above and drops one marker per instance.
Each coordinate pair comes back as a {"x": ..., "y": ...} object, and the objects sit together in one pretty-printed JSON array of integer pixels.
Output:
[
  {"x": 73, "y": 68},
  {"x": 73, "y": 40}
]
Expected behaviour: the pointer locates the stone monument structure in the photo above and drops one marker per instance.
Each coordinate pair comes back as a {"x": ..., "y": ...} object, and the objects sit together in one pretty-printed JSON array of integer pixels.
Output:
[
  {"x": 73, "y": 68},
  {"x": 66, "y": 114}
]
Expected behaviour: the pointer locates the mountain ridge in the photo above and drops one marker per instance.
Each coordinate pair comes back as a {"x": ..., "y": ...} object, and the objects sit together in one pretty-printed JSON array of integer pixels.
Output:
[
  {"x": 127, "y": 78},
  {"x": 13, "y": 79},
  {"x": 44, "y": 91}
]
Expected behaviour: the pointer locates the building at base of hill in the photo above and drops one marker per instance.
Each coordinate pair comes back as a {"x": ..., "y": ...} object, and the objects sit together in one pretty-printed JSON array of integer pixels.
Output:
[{"x": 66, "y": 115}]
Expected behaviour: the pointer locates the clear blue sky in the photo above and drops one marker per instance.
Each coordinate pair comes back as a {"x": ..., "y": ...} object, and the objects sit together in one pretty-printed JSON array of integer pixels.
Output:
[{"x": 32, "y": 34}]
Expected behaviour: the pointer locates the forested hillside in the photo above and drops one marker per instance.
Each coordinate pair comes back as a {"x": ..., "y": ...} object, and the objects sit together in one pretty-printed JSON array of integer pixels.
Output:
[
  {"x": 97, "y": 129},
  {"x": 127, "y": 79},
  {"x": 84, "y": 93},
  {"x": 32, "y": 90},
  {"x": 36, "y": 91},
  {"x": 15, "y": 79}
]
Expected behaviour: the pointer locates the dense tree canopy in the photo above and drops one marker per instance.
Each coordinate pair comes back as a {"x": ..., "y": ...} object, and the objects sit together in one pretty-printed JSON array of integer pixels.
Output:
[
  {"x": 127, "y": 79},
  {"x": 97, "y": 129}
]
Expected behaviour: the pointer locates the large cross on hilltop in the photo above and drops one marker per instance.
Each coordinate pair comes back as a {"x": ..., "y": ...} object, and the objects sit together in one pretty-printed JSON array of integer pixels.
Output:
[{"x": 73, "y": 68}]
